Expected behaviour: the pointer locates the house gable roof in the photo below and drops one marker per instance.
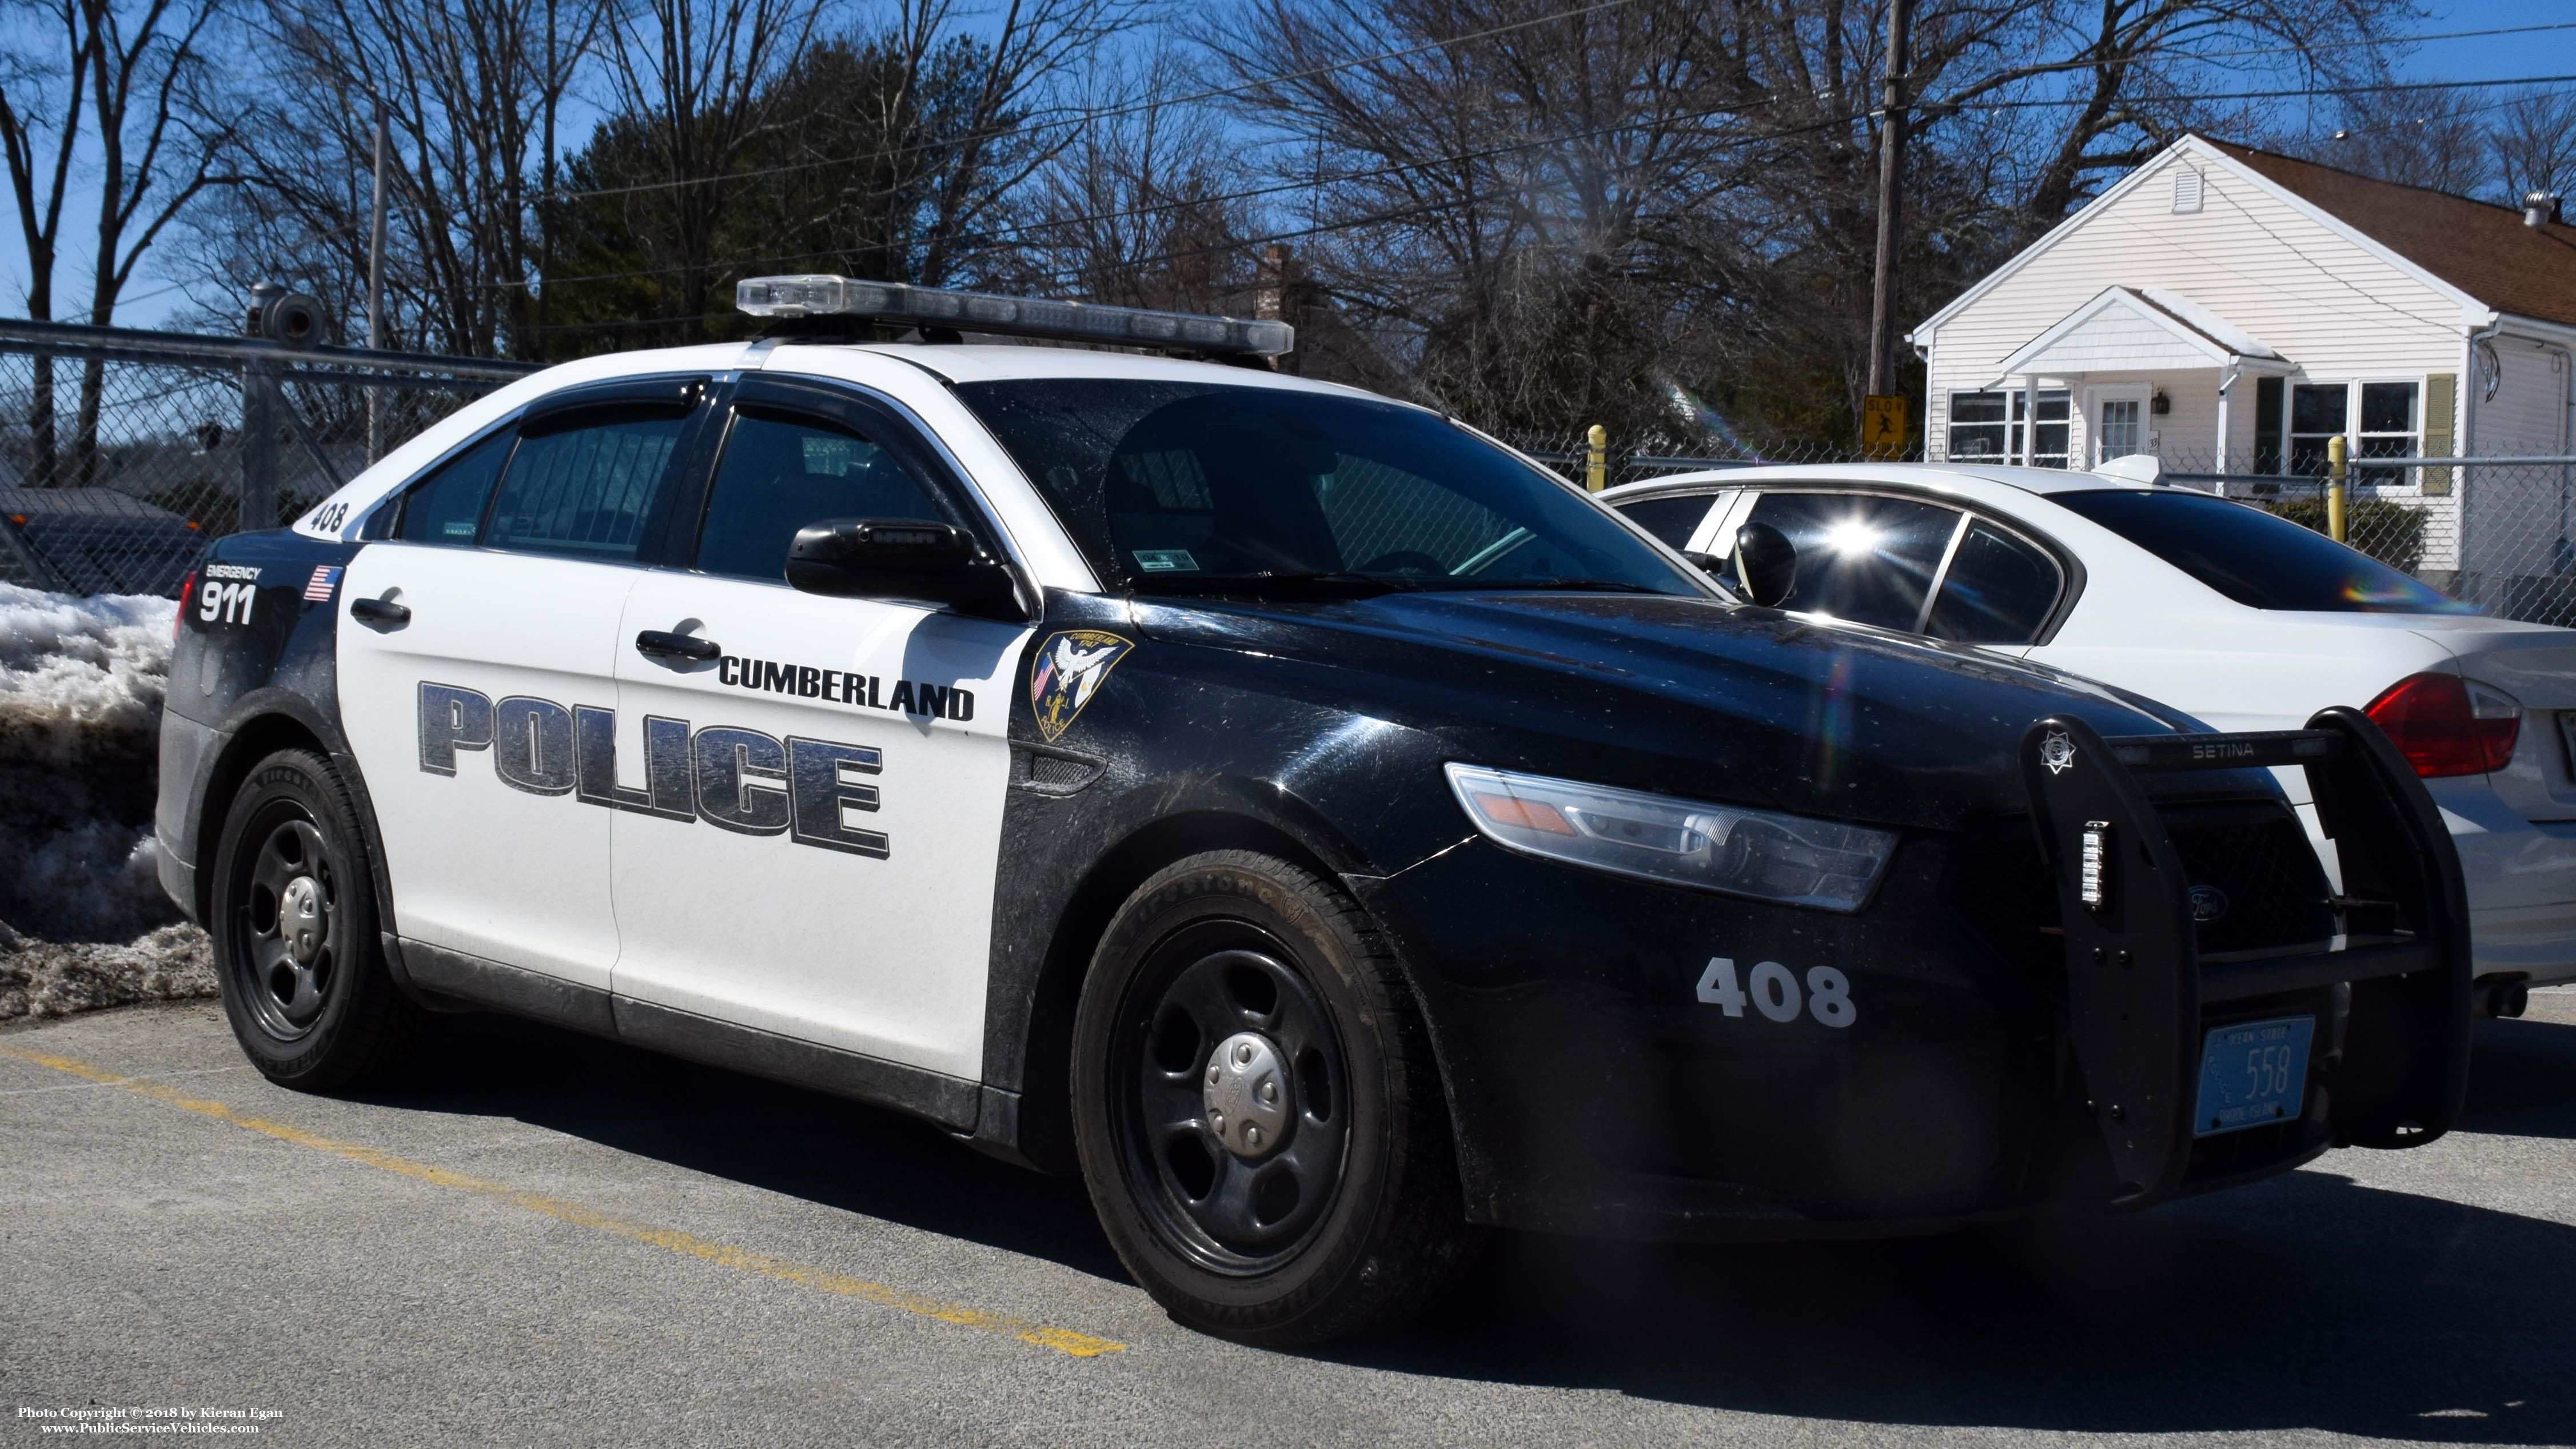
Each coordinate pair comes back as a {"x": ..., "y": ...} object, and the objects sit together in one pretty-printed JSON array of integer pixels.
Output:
[
  {"x": 2149, "y": 328},
  {"x": 2482, "y": 249},
  {"x": 2479, "y": 254}
]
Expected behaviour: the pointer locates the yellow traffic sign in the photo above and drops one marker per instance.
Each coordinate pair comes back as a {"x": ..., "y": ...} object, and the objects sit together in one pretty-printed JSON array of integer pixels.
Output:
[{"x": 1883, "y": 422}]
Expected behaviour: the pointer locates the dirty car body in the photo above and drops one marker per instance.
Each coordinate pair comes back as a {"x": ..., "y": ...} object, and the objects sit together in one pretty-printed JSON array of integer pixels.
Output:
[{"x": 1921, "y": 1018}]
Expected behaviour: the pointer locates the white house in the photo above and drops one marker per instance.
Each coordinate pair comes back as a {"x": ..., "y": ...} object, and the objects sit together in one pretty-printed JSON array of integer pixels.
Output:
[{"x": 2229, "y": 310}]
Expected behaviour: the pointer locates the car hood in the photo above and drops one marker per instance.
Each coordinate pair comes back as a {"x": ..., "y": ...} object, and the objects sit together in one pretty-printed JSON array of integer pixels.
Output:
[{"x": 1691, "y": 696}]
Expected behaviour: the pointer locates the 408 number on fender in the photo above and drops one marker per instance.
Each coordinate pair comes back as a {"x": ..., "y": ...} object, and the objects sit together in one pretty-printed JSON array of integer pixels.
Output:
[{"x": 1774, "y": 992}]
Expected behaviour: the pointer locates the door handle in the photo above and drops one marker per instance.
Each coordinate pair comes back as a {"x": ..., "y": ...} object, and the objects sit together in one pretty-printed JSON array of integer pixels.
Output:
[
  {"x": 662, "y": 644},
  {"x": 379, "y": 611}
]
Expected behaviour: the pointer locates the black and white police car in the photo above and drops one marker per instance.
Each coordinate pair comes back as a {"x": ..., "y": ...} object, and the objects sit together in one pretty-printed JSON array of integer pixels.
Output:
[{"x": 1320, "y": 826}]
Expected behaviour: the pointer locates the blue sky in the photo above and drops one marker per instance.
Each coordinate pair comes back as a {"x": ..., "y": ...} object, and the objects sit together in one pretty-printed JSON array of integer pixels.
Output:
[
  {"x": 2499, "y": 56},
  {"x": 151, "y": 300}
]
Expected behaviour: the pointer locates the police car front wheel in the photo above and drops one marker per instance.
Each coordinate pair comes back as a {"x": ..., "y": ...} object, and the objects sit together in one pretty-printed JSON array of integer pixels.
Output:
[
  {"x": 294, "y": 930},
  {"x": 1257, "y": 1109}
]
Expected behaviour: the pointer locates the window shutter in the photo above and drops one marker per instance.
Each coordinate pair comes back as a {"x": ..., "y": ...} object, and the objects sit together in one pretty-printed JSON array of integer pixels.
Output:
[
  {"x": 2267, "y": 425},
  {"x": 2187, "y": 184},
  {"x": 2440, "y": 396}
]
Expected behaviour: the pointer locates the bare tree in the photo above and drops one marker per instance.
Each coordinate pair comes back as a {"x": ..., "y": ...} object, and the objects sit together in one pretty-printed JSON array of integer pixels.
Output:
[
  {"x": 694, "y": 78},
  {"x": 1503, "y": 190},
  {"x": 40, "y": 109},
  {"x": 125, "y": 89},
  {"x": 2533, "y": 139},
  {"x": 1569, "y": 209},
  {"x": 1145, "y": 207},
  {"x": 2435, "y": 139},
  {"x": 470, "y": 91}
]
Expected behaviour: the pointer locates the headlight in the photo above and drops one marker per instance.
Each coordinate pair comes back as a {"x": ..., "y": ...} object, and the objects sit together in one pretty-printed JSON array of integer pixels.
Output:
[{"x": 1684, "y": 842}]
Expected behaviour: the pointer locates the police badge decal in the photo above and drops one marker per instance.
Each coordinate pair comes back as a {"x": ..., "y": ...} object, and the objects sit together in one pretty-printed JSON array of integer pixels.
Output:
[
  {"x": 1067, "y": 672},
  {"x": 2056, "y": 752}
]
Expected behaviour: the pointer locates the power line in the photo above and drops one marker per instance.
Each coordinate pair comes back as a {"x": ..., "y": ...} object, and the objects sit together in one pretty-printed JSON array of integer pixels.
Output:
[
  {"x": 1022, "y": 230},
  {"x": 1086, "y": 116}
]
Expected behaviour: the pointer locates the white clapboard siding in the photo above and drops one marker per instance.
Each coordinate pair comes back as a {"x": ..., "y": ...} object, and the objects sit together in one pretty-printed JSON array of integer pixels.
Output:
[
  {"x": 2528, "y": 412},
  {"x": 2313, "y": 293}
]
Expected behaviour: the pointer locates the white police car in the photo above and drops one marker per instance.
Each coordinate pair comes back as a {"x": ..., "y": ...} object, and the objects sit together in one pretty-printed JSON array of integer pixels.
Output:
[
  {"x": 1322, "y": 828},
  {"x": 2225, "y": 611}
]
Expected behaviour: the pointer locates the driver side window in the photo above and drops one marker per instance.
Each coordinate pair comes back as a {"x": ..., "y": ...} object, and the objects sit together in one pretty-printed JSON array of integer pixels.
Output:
[{"x": 782, "y": 471}]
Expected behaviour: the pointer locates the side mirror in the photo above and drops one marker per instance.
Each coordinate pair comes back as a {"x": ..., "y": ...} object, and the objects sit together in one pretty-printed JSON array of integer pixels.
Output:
[
  {"x": 910, "y": 560},
  {"x": 1766, "y": 564}
]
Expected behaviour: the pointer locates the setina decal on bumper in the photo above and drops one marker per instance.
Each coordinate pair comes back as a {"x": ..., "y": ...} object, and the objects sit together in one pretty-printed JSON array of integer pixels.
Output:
[{"x": 735, "y": 779}]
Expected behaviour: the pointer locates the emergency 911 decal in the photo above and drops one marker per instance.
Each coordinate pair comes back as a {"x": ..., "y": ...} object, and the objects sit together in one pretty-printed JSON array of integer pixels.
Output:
[
  {"x": 1067, "y": 672},
  {"x": 734, "y": 779}
]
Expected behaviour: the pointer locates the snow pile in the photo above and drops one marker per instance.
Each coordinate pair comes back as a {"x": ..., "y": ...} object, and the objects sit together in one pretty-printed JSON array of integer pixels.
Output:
[
  {"x": 56, "y": 978},
  {"x": 80, "y": 711}
]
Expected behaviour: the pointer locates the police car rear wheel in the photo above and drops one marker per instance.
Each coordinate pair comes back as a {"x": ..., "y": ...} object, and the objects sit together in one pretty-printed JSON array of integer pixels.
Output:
[
  {"x": 294, "y": 929},
  {"x": 1256, "y": 1106}
]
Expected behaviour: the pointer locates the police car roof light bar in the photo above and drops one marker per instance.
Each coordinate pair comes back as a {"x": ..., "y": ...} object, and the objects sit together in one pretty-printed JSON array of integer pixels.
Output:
[{"x": 816, "y": 296}]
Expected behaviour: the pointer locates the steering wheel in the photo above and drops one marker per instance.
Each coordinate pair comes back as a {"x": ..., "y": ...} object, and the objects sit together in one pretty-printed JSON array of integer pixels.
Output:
[{"x": 1403, "y": 560}]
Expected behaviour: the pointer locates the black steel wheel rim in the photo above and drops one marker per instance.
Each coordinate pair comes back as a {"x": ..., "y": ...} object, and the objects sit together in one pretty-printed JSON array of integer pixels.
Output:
[
  {"x": 287, "y": 935},
  {"x": 1231, "y": 1213}
]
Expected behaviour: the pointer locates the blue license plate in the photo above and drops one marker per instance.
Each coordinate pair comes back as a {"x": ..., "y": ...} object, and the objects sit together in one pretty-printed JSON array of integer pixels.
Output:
[{"x": 2253, "y": 1073}]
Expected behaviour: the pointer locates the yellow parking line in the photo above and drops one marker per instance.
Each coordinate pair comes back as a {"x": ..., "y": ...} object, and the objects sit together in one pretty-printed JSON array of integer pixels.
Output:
[{"x": 1063, "y": 1340}]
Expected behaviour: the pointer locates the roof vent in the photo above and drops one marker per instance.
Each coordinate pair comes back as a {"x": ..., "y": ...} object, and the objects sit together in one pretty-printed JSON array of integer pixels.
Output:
[
  {"x": 2187, "y": 184},
  {"x": 2539, "y": 208}
]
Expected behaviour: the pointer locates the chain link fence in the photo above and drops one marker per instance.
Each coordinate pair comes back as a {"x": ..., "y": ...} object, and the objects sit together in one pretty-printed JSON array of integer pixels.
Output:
[{"x": 123, "y": 451}]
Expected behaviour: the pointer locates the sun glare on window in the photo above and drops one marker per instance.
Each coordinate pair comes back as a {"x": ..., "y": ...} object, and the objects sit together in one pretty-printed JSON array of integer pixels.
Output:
[{"x": 1851, "y": 538}]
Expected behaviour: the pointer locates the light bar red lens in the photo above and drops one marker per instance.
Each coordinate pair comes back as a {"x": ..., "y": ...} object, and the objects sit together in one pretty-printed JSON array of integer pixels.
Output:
[{"x": 2429, "y": 719}]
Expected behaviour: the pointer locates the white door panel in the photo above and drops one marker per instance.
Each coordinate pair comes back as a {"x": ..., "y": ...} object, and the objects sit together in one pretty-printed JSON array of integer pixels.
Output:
[
  {"x": 488, "y": 850},
  {"x": 848, "y": 760}
]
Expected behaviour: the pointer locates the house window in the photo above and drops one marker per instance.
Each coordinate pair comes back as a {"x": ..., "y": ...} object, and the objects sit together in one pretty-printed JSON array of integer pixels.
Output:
[
  {"x": 2122, "y": 430},
  {"x": 2388, "y": 428},
  {"x": 2048, "y": 436},
  {"x": 2317, "y": 412},
  {"x": 1989, "y": 427},
  {"x": 2381, "y": 420},
  {"x": 1978, "y": 431}
]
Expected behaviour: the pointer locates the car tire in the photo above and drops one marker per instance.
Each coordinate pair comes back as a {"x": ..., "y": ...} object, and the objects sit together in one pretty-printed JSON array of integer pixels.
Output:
[
  {"x": 293, "y": 921},
  {"x": 1345, "y": 1213}
]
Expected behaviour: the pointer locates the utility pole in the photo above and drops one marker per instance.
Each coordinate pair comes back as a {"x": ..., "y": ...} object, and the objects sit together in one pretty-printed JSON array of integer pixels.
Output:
[
  {"x": 376, "y": 297},
  {"x": 1891, "y": 168}
]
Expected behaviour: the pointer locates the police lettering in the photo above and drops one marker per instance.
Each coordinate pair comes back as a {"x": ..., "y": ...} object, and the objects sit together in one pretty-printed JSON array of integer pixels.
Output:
[
  {"x": 859, "y": 691},
  {"x": 735, "y": 779}
]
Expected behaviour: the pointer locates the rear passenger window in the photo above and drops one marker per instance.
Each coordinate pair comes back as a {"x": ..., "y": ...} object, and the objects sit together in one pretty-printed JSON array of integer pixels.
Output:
[
  {"x": 447, "y": 506},
  {"x": 1673, "y": 520},
  {"x": 2000, "y": 590},
  {"x": 1866, "y": 559},
  {"x": 782, "y": 472},
  {"x": 585, "y": 488}
]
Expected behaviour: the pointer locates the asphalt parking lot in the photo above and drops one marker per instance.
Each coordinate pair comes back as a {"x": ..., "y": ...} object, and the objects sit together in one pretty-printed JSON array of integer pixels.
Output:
[{"x": 551, "y": 1240}]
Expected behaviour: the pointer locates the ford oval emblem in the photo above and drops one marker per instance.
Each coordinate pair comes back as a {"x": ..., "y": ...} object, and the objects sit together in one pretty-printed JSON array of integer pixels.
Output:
[{"x": 2208, "y": 903}]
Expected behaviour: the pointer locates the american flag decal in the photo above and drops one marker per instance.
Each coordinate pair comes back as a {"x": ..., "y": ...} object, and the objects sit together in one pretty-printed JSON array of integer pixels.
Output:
[{"x": 317, "y": 589}]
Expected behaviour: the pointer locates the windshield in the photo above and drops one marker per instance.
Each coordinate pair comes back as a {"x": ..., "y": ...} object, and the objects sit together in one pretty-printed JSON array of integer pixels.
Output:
[
  {"x": 2254, "y": 557},
  {"x": 1179, "y": 487}
]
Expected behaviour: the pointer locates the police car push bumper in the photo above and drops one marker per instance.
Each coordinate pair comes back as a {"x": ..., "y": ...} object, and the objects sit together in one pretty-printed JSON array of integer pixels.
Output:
[{"x": 2144, "y": 1010}]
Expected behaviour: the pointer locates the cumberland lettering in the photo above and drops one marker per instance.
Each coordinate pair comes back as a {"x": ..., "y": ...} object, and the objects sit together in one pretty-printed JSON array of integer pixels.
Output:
[{"x": 859, "y": 691}]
